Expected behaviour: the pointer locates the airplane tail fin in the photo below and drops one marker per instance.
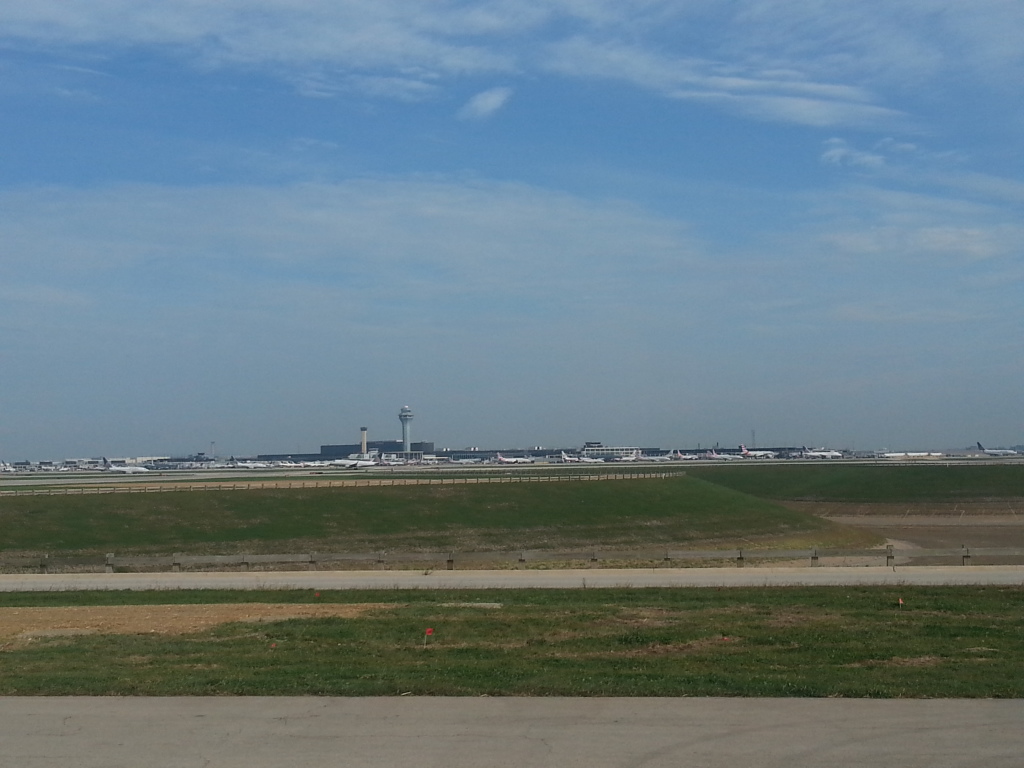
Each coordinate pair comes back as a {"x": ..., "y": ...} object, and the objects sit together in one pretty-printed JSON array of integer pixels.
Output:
[{"x": 981, "y": 447}]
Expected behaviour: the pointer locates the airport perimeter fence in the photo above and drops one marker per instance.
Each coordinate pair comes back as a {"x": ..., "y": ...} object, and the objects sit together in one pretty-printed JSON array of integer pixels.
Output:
[
  {"x": 369, "y": 482},
  {"x": 520, "y": 559}
]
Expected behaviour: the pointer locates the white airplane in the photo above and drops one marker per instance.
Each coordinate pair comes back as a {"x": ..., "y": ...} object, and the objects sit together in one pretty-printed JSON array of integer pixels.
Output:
[
  {"x": 634, "y": 456},
  {"x": 677, "y": 455},
  {"x": 748, "y": 454},
  {"x": 996, "y": 451},
  {"x": 566, "y": 458},
  {"x": 352, "y": 463},
  {"x": 513, "y": 459},
  {"x": 663, "y": 457},
  {"x": 5, "y": 467},
  {"x": 821, "y": 453},
  {"x": 713, "y": 454},
  {"x": 123, "y": 469}
]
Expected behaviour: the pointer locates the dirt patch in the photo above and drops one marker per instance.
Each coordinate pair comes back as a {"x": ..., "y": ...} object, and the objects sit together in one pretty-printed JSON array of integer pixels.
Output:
[
  {"x": 896, "y": 661},
  {"x": 980, "y": 508},
  {"x": 650, "y": 617},
  {"x": 22, "y": 624},
  {"x": 982, "y": 524},
  {"x": 797, "y": 617},
  {"x": 702, "y": 645}
]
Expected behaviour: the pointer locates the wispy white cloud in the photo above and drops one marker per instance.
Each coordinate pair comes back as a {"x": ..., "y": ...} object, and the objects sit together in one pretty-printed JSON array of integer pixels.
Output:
[
  {"x": 485, "y": 103},
  {"x": 818, "y": 113},
  {"x": 839, "y": 152},
  {"x": 911, "y": 166},
  {"x": 801, "y": 60},
  {"x": 367, "y": 238},
  {"x": 764, "y": 95},
  {"x": 870, "y": 222}
]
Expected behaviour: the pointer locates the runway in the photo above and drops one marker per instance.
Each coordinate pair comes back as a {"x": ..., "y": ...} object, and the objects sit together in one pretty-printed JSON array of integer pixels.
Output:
[
  {"x": 505, "y": 732},
  {"x": 526, "y": 579}
]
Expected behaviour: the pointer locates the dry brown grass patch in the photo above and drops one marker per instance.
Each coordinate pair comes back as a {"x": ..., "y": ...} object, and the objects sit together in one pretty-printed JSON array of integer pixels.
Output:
[
  {"x": 898, "y": 661},
  {"x": 26, "y": 624}
]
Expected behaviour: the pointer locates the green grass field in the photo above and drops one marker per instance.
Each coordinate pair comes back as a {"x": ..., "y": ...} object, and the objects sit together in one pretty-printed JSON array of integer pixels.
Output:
[
  {"x": 836, "y": 481},
  {"x": 851, "y": 642},
  {"x": 512, "y": 516},
  {"x": 724, "y": 506}
]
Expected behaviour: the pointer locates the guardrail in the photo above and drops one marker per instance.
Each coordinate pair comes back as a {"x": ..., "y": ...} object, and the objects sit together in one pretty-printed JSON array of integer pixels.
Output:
[
  {"x": 374, "y": 482},
  {"x": 520, "y": 559}
]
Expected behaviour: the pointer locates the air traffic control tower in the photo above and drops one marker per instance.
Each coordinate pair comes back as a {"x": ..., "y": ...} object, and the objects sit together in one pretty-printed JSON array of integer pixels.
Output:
[{"x": 405, "y": 416}]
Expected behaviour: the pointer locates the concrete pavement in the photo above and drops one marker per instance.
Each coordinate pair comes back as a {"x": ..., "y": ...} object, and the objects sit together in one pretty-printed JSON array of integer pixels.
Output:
[
  {"x": 554, "y": 579},
  {"x": 499, "y": 732}
]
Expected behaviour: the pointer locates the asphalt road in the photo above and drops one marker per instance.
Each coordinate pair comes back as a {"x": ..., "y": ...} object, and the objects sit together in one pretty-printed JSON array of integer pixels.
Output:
[
  {"x": 553, "y": 579},
  {"x": 494, "y": 733}
]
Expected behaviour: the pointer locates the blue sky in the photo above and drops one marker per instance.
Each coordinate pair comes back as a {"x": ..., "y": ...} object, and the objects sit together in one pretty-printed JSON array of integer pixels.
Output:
[{"x": 538, "y": 222}]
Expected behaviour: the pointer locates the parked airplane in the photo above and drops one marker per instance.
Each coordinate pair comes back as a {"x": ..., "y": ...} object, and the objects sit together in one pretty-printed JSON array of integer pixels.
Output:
[
  {"x": 662, "y": 457},
  {"x": 678, "y": 455},
  {"x": 713, "y": 454},
  {"x": 634, "y": 456},
  {"x": 583, "y": 459},
  {"x": 821, "y": 453},
  {"x": 996, "y": 451},
  {"x": 352, "y": 463},
  {"x": 124, "y": 469},
  {"x": 747, "y": 454},
  {"x": 513, "y": 459}
]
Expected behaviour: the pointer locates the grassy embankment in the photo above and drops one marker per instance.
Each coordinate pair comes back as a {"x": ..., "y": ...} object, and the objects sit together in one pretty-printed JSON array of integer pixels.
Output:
[
  {"x": 854, "y": 642},
  {"x": 873, "y": 484},
  {"x": 684, "y": 511}
]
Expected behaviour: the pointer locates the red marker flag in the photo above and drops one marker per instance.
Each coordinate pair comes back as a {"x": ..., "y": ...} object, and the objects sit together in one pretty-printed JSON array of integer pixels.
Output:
[
  {"x": 901, "y": 602},
  {"x": 430, "y": 631},
  {"x": 427, "y": 634}
]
